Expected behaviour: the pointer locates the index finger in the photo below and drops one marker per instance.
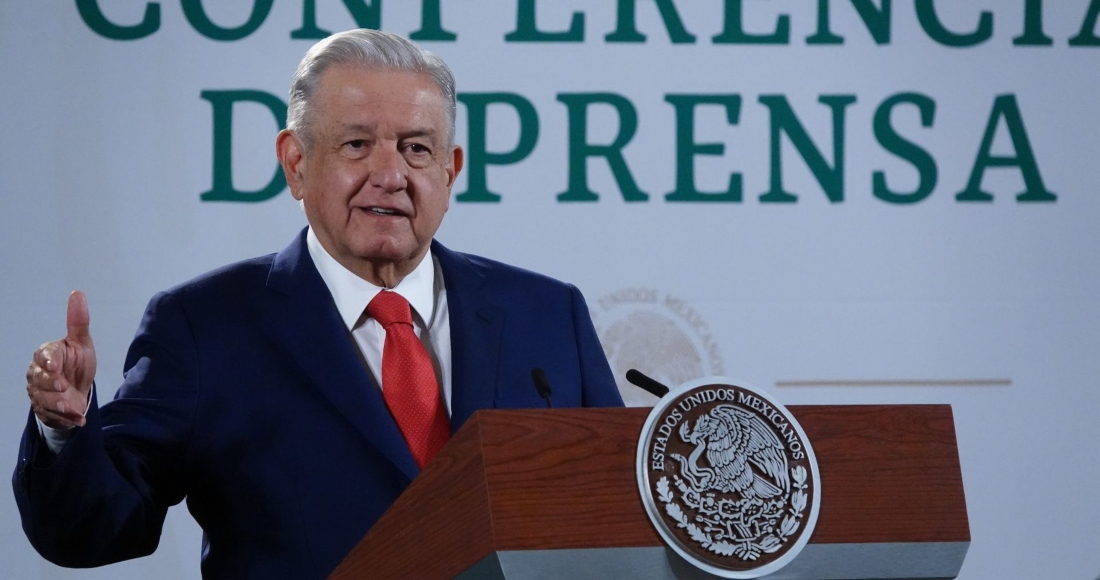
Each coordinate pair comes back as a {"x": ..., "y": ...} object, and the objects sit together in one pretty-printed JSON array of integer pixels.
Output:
[{"x": 49, "y": 356}]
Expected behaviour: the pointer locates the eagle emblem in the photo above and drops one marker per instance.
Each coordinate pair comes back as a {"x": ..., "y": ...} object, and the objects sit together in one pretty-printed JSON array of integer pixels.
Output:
[
  {"x": 744, "y": 455},
  {"x": 730, "y": 478}
]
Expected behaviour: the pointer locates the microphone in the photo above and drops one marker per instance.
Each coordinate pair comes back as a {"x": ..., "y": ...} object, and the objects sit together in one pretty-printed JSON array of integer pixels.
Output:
[
  {"x": 542, "y": 385},
  {"x": 649, "y": 385}
]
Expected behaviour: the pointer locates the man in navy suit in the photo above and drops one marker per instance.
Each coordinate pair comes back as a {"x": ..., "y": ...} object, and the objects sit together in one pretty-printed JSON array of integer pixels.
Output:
[{"x": 255, "y": 392}]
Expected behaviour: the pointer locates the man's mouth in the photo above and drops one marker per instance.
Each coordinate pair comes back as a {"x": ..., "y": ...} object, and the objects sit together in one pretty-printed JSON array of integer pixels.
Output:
[{"x": 384, "y": 211}]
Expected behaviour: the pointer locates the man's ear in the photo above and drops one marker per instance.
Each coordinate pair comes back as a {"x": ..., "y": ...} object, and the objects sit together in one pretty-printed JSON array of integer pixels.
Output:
[
  {"x": 291, "y": 152},
  {"x": 458, "y": 158}
]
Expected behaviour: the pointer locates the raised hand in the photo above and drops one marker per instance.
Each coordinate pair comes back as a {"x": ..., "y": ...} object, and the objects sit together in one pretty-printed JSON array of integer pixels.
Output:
[{"x": 61, "y": 372}]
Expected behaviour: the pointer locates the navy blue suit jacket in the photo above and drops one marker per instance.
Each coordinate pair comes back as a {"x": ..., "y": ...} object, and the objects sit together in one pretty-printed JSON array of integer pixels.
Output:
[{"x": 244, "y": 394}]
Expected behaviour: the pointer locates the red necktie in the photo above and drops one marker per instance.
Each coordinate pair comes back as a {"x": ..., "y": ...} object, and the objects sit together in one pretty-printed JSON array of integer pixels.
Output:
[{"x": 408, "y": 379}]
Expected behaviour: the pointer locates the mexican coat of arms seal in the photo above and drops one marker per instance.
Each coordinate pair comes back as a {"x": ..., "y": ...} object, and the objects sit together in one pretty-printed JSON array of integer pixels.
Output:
[{"x": 728, "y": 478}]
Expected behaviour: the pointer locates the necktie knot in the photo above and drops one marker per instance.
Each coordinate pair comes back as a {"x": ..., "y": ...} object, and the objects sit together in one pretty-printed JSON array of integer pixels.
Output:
[{"x": 389, "y": 308}]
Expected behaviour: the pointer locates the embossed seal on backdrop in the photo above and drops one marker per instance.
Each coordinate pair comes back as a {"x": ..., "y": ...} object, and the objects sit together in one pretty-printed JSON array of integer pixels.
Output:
[
  {"x": 728, "y": 478},
  {"x": 657, "y": 333}
]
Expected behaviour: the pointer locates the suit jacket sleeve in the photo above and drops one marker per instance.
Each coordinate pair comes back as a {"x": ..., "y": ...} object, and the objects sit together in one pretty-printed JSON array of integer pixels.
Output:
[
  {"x": 599, "y": 389},
  {"x": 104, "y": 497}
]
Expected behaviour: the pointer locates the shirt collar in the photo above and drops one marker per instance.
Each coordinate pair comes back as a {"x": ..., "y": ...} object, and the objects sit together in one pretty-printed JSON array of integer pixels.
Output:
[{"x": 352, "y": 293}]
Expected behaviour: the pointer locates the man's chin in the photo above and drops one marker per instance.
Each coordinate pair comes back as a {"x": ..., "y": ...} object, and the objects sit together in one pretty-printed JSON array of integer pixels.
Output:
[{"x": 391, "y": 252}]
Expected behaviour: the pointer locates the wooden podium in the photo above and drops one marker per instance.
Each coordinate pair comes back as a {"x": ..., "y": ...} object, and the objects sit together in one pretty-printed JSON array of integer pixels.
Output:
[{"x": 552, "y": 494}]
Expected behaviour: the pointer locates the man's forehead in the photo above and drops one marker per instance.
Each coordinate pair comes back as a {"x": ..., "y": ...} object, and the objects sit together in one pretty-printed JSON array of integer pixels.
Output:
[
  {"x": 358, "y": 98},
  {"x": 369, "y": 88},
  {"x": 413, "y": 128}
]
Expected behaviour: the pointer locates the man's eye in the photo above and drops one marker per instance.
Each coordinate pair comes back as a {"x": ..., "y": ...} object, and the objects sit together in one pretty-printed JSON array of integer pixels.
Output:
[
  {"x": 356, "y": 144},
  {"x": 417, "y": 148}
]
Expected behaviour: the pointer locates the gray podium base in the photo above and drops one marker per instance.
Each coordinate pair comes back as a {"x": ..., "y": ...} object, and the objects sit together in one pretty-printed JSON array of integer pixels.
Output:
[{"x": 925, "y": 561}]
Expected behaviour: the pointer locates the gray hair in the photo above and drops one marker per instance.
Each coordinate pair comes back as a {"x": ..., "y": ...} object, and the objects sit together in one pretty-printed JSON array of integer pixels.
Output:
[{"x": 370, "y": 49}]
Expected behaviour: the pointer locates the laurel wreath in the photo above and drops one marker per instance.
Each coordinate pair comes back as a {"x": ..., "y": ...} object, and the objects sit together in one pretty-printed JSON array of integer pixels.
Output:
[{"x": 749, "y": 549}]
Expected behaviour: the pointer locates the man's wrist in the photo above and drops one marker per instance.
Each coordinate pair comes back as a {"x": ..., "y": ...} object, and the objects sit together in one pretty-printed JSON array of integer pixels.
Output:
[{"x": 56, "y": 437}]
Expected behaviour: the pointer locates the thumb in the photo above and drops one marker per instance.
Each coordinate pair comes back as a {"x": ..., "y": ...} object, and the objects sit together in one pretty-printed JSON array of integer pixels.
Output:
[{"x": 77, "y": 320}]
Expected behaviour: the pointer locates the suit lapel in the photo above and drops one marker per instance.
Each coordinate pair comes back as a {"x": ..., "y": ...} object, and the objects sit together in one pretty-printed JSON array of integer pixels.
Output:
[
  {"x": 307, "y": 323},
  {"x": 476, "y": 331}
]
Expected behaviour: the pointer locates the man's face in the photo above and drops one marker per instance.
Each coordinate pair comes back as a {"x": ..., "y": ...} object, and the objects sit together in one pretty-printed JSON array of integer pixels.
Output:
[{"x": 377, "y": 180}]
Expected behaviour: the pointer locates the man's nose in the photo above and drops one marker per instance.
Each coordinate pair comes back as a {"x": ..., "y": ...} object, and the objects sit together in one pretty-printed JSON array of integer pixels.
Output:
[{"x": 387, "y": 169}]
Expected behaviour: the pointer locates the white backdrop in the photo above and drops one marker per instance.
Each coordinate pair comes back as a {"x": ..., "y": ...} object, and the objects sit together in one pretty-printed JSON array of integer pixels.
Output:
[{"x": 989, "y": 306}]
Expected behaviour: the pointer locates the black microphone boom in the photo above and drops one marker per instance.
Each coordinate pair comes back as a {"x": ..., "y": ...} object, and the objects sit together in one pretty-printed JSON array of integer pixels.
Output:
[
  {"x": 649, "y": 385},
  {"x": 542, "y": 385}
]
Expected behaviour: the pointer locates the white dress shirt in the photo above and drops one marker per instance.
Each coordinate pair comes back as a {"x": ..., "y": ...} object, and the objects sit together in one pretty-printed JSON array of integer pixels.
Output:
[{"x": 424, "y": 290}]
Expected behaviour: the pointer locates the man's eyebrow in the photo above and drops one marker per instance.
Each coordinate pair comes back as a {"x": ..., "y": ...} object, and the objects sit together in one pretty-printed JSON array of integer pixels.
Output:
[
  {"x": 414, "y": 132},
  {"x": 419, "y": 132},
  {"x": 354, "y": 128}
]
